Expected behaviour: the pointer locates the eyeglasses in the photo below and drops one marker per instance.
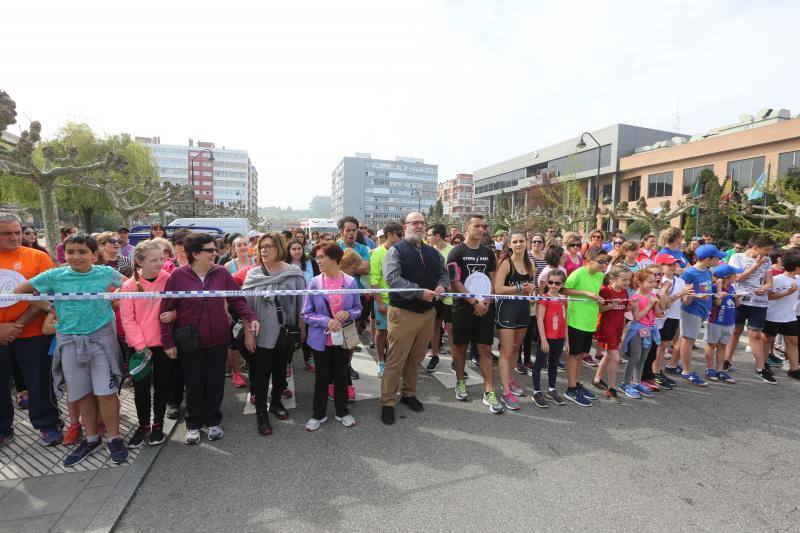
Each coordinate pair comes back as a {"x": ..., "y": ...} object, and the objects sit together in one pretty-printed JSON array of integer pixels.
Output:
[
  {"x": 266, "y": 247},
  {"x": 574, "y": 245},
  {"x": 554, "y": 283},
  {"x": 602, "y": 262},
  {"x": 537, "y": 242},
  {"x": 209, "y": 250},
  {"x": 113, "y": 241},
  {"x": 619, "y": 243},
  {"x": 416, "y": 222},
  {"x": 320, "y": 258}
]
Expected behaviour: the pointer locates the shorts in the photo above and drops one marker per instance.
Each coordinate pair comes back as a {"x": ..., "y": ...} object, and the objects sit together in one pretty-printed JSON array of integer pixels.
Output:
[
  {"x": 381, "y": 322},
  {"x": 755, "y": 317},
  {"x": 93, "y": 377},
  {"x": 579, "y": 341},
  {"x": 774, "y": 329},
  {"x": 669, "y": 329},
  {"x": 718, "y": 334},
  {"x": 690, "y": 325},
  {"x": 513, "y": 314},
  {"x": 470, "y": 328},
  {"x": 444, "y": 312}
]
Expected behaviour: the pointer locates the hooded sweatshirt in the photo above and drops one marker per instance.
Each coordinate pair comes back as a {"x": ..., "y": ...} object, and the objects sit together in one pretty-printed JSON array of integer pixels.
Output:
[
  {"x": 207, "y": 315},
  {"x": 140, "y": 317},
  {"x": 290, "y": 278}
]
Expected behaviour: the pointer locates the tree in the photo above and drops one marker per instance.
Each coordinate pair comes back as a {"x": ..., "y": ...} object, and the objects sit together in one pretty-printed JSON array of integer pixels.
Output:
[
  {"x": 641, "y": 215},
  {"x": 778, "y": 214},
  {"x": 558, "y": 205},
  {"x": 713, "y": 210}
]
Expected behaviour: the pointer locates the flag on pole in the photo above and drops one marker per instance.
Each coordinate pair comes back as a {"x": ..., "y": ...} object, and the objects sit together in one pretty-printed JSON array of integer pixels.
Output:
[
  {"x": 758, "y": 189},
  {"x": 727, "y": 191},
  {"x": 696, "y": 193}
]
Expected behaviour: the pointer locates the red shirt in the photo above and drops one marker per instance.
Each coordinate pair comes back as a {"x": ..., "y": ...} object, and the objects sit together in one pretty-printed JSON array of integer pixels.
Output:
[
  {"x": 555, "y": 318},
  {"x": 609, "y": 327}
]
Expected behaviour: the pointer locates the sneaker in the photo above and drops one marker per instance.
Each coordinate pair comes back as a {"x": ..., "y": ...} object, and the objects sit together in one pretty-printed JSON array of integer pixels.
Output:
[
  {"x": 692, "y": 377},
  {"x": 510, "y": 401},
  {"x": 588, "y": 360},
  {"x": 711, "y": 375},
  {"x": 330, "y": 391},
  {"x": 612, "y": 396},
  {"x": 562, "y": 366},
  {"x": 667, "y": 380},
  {"x": 215, "y": 433},
  {"x": 72, "y": 435},
  {"x": 589, "y": 395},
  {"x": 289, "y": 371},
  {"x": 555, "y": 397},
  {"x": 661, "y": 382},
  {"x": 310, "y": 366},
  {"x": 347, "y": 420},
  {"x": 651, "y": 384},
  {"x": 381, "y": 368},
  {"x": 82, "y": 451},
  {"x": 372, "y": 343},
  {"x": 766, "y": 375},
  {"x": 475, "y": 362},
  {"x": 252, "y": 398},
  {"x": 286, "y": 394},
  {"x": 313, "y": 424},
  {"x": 173, "y": 411},
  {"x": 263, "y": 426},
  {"x": 461, "y": 391},
  {"x": 630, "y": 391},
  {"x": 351, "y": 393},
  {"x": 22, "y": 401},
  {"x": 277, "y": 409},
  {"x": 156, "y": 436},
  {"x": 599, "y": 384},
  {"x": 238, "y": 380},
  {"x": 786, "y": 366},
  {"x": 5, "y": 438},
  {"x": 433, "y": 364},
  {"x": 724, "y": 376},
  {"x": 727, "y": 366},
  {"x": 490, "y": 399},
  {"x": 644, "y": 390},
  {"x": 514, "y": 387},
  {"x": 413, "y": 403},
  {"x": 577, "y": 396},
  {"x": 772, "y": 360},
  {"x": 521, "y": 369},
  {"x": 138, "y": 437},
  {"x": 529, "y": 365},
  {"x": 52, "y": 436},
  {"x": 117, "y": 451},
  {"x": 387, "y": 415},
  {"x": 538, "y": 400},
  {"x": 192, "y": 436},
  {"x": 794, "y": 373},
  {"x": 357, "y": 348},
  {"x": 677, "y": 369},
  {"x": 353, "y": 373}
]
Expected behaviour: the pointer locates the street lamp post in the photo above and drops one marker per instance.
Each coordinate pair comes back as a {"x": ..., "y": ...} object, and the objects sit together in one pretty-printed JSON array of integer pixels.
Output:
[
  {"x": 418, "y": 194},
  {"x": 596, "y": 189},
  {"x": 191, "y": 170}
]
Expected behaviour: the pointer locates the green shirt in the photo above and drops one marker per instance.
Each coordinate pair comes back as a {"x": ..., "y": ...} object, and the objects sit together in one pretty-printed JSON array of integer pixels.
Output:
[
  {"x": 728, "y": 255},
  {"x": 376, "y": 270},
  {"x": 80, "y": 317},
  {"x": 584, "y": 315},
  {"x": 448, "y": 300}
]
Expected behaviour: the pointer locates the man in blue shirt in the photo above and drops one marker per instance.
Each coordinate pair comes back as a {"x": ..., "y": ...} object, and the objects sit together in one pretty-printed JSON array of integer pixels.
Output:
[{"x": 367, "y": 240}]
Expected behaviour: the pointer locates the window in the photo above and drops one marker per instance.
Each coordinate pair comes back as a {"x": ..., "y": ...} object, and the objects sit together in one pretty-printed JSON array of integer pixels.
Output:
[
  {"x": 690, "y": 175},
  {"x": 745, "y": 172},
  {"x": 659, "y": 184},
  {"x": 786, "y": 160},
  {"x": 634, "y": 189},
  {"x": 606, "y": 198}
]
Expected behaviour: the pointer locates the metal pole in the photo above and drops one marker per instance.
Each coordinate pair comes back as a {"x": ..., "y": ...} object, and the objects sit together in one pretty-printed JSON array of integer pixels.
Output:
[
  {"x": 597, "y": 183},
  {"x": 191, "y": 167},
  {"x": 764, "y": 192}
]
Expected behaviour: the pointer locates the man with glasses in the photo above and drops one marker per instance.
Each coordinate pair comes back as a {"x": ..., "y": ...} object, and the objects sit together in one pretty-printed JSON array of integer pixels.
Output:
[
  {"x": 444, "y": 307},
  {"x": 409, "y": 264},
  {"x": 365, "y": 235}
]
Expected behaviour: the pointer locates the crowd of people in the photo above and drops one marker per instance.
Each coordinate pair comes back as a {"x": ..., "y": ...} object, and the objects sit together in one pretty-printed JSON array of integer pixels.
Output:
[{"x": 552, "y": 301}]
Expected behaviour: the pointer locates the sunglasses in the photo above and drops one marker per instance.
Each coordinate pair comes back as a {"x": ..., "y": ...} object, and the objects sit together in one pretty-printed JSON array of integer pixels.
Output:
[
  {"x": 603, "y": 262},
  {"x": 619, "y": 243},
  {"x": 537, "y": 242},
  {"x": 113, "y": 241},
  {"x": 595, "y": 237},
  {"x": 554, "y": 283},
  {"x": 574, "y": 245},
  {"x": 209, "y": 250},
  {"x": 29, "y": 232}
]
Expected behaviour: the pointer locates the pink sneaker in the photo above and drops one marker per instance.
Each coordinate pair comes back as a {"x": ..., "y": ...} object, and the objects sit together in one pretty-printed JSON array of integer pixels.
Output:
[
  {"x": 286, "y": 394},
  {"x": 351, "y": 393},
  {"x": 238, "y": 380},
  {"x": 588, "y": 360},
  {"x": 252, "y": 399},
  {"x": 289, "y": 371},
  {"x": 310, "y": 366},
  {"x": 330, "y": 391}
]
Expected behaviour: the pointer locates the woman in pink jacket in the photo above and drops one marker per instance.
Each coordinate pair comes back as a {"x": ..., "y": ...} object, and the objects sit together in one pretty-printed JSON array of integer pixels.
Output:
[{"x": 141, "y": 322}]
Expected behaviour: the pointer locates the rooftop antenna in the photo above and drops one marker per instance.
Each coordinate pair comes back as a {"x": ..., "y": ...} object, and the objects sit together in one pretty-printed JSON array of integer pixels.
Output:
[{"x": 676, "y": 126}]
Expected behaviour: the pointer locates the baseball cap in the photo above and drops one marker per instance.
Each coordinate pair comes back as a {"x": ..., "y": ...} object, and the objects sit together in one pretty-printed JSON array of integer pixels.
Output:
[
  {"x": 140, "y": 365},
  {"x": 665, "y": 259},
  {"x": 253, "y": 233},
  {"x": 122, "y": 229},
  {"x": 380, "y": 233},
  {"x": 723, "y": 271},
  {"x": 708, "y": 250}
]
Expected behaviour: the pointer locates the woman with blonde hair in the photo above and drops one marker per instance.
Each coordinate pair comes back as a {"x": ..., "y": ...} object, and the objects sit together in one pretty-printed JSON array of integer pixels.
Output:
[{"x": 108, "y": 247}]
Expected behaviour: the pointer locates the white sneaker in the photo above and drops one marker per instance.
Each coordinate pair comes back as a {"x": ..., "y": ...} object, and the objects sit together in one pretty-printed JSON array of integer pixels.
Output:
[
  {"x": 785, "y": 366},
  {"x": 313, "y": 424},
  {"x": 347, "y": 420},
  {"x": 215, "y": 433},
  {"x": 192, "y": 436}
]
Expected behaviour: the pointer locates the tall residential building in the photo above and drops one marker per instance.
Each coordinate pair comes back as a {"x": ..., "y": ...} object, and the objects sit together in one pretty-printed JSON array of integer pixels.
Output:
[
  {"x": 220, "y": 175},
  {"x": 376, "y": 191},
  {"x": 458, "y": 196}
]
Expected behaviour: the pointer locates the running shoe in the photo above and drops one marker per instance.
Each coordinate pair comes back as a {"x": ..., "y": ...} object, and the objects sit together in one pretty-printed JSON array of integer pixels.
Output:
[
  {"x": 588, "y": 360},
  {"x": 795, "y": 374},
  {"x": 772, "y": 360},
  {"x": 192, "y": 436},
  {"x": 156, "y": 435},
  {"x": 514, "y": 387},
  {"x": 474, "y": 361},
  {"x": 677, "y": 369},
  {"x": 766, "y": 375},
  {"x": 263, "y": 425},
  {"x": 461, "y": 390},
  {"x": 575, "y": 395},
  {"x": 353, "y": 373},
  {"x": 666, "y": 379},
  {"x": 381, "y": 368},
  {"x": 644, "y": 390},
  {"x": 310, "y": 366},
  {"x": 612, "y": 396},
  {"x": 173, "y": 411},
  {"x": 510, "y": 401},
  {"x": 586, "y": 392},
  {"x": 694, "y": 378},
  {"x": 555, "y": 397},
  {"x": 538, "y": 400},
  {"x": 727, "y": 366},
  {"x": 372, "y": 343},
  {"x": 82, "y": 451},
  {"x": 215, "y": 433},
  {"x": 521, "y": 369},
  {"x": 786, "y": 366},
  {"x": 238, "y": 380},
  {"x": 52, "y": 436},
  {"x": 724, "y": 376},
  {"x": 313, "y": 424},
  {"x": 599, "y": 384},
  {"x": 661, "y": 382},
  {"x": 711, "y": 375},
  {"x": 562, "y": 366},
  {"x": 72, "y": 435},
  {"x": 630, "y": 391},
  {"x": 117, "y": 451},
  {"x": 22, "y": 400},
  {"x": 347, "y": 420},
  {"x": 433, "y": 364},
  {"x": 286, "y": 394},
  {"x": 652, "y": 385},
  {"x": 413, "y": 403},
  {"x": 351, "y": 393},
  {"x": 529, "y": 366},
  {"x": 490, "y": 400},
  {"x": 138, "y": 437}
]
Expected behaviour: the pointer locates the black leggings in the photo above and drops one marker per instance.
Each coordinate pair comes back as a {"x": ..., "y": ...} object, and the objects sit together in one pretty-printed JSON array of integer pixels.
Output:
[
  {"x": 266, "y": 363},
  {"x": 551, "y": 360},
  {"x": 159, "y": 379},
  {"x": 332, "y": 364}
]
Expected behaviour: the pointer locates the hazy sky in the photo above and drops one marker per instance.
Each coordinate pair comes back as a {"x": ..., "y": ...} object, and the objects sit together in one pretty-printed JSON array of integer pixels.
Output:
[{"x": 461, "y": 84}]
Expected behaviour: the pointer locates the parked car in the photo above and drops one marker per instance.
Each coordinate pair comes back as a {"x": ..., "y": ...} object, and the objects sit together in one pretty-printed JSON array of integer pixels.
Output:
[{"x": 140, "y": 233}]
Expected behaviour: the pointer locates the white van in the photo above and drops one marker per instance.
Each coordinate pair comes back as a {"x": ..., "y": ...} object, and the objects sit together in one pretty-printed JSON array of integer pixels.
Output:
[{"x": 228, "y": 225}]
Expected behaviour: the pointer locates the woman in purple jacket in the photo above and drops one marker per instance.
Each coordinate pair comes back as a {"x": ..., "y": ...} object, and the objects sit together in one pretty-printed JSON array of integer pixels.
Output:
[
  {"x": 207, "y": 320},
  {"x": 324, "y": 314}
]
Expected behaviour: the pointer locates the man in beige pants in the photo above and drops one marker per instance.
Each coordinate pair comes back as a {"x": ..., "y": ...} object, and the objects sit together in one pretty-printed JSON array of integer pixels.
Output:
[{"x": 410, "y": 264}]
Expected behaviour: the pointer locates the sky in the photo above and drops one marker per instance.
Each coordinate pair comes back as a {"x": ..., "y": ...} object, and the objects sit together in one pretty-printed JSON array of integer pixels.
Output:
[{"x": 462, "y": 84}]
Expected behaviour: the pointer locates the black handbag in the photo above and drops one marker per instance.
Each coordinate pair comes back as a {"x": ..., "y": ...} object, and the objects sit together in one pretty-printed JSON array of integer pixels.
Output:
[
  {"x": 288, "y": 336},
  {"x": 187, "y": 339}
]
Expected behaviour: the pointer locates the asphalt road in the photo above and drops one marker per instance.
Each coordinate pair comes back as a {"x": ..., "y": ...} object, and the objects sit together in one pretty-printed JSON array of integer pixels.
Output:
[{"x": 693, "y": 459}]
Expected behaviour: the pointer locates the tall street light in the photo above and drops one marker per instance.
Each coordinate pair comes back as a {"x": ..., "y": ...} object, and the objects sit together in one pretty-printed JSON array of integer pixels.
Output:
[
  {"x": 418, "y": 194},
  {"x": 191, "y": 169},
  {"x": 596, "y": 189}
]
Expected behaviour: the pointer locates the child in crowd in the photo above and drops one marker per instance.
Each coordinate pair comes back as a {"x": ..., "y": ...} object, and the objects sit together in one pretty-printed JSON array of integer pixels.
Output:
[
  {"x": 781, "y": 319},
  {"x": 675, "y": 289},
  {"x": 582, "y": 316},
  {"x": 551, "y": 319},
  {"x": 641, "y": 334},
  {"x": 720, "y": 323},
  {"x": 609, "y": 329},
  {"x": 87, "y": 354}
]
